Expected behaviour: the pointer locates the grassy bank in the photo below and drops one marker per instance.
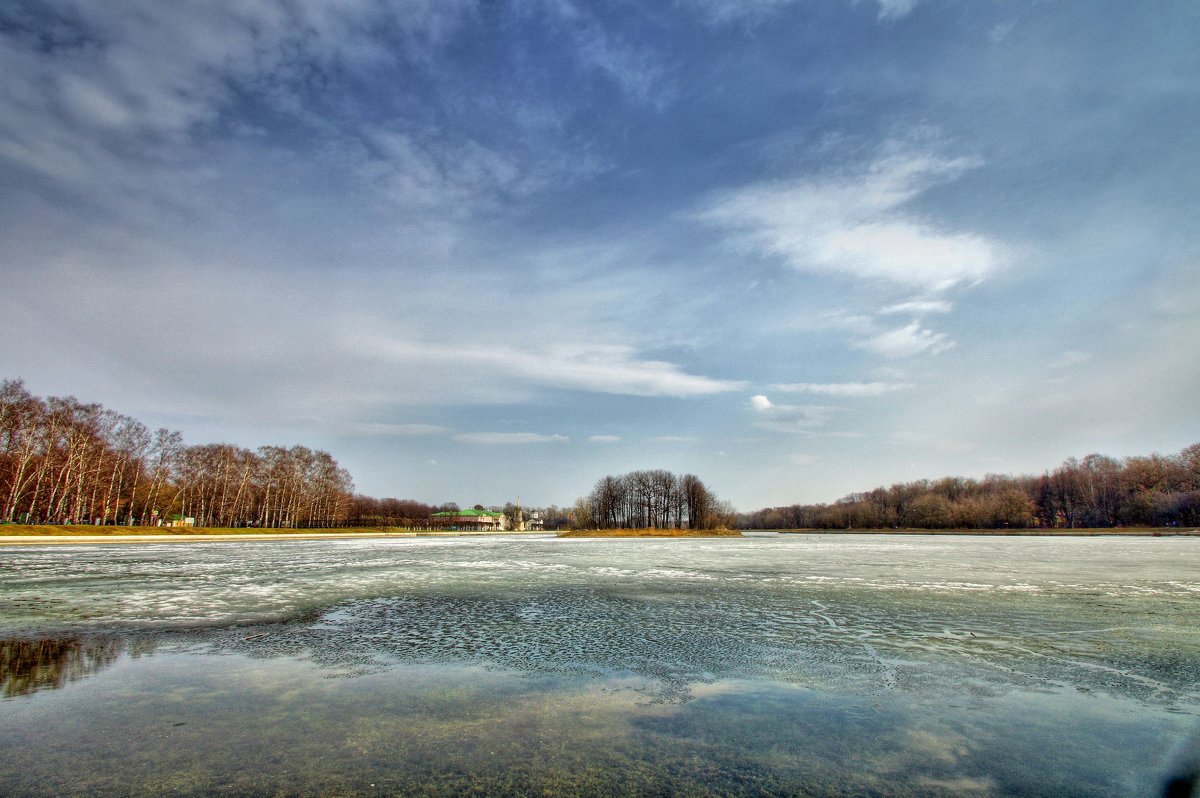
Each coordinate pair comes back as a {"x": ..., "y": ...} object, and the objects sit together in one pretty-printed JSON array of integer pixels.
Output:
[
  {"x": 1078, "y": 533},
  {"x": 19, "y": 534},
  {"x": 650, "y": 533},
  {"x": 82, "y": 530}
]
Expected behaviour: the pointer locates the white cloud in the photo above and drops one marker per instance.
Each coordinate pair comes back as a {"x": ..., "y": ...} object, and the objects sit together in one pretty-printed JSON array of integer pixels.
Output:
[
  {"x": 874, "y": 334},
  {"x": 673, "y": 439},
  {"x": 508, "y": 438},
  {"x": 857, "y": 224},
  {"x": 789, "y": 418},
  {"x": 427, "y": 169},
  {"x": 847, "y": 389},
  {"x": 601, "y": 368},
  {"x": 163, "y": 69},
  {"x": 803, "y": 459},
  {"x": 918, "y": 307},
  {"x": 604, "y": 438},
  {"x": 895, "y": 9},
  {"x": 636, "y": 70},
  {"x": 129, "y": 106},
  {"x": 911, "y": 339},
  {"x": 756, "y": 10}
]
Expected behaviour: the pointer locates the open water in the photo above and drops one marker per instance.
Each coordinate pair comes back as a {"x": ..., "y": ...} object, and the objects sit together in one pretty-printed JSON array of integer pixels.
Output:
[{"x": 773, "y": 665}]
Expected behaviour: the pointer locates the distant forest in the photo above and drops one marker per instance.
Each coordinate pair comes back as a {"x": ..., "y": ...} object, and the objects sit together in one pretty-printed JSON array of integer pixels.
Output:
[
  {"x": 1097, "y": 491},
  {"x": 66, "y": 461}
]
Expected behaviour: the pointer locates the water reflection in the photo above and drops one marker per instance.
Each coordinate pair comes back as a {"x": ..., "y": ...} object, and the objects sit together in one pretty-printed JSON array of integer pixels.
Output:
[
  {"x": 194, "y": 724},
  {"x": 27, "y": 666}
]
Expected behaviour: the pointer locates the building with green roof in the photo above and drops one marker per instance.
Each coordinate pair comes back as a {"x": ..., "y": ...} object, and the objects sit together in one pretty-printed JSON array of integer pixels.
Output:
[{"x": 472, "y": 520}]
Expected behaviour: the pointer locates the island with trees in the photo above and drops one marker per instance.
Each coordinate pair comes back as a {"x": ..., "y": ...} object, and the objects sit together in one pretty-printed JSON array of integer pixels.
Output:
[{"x": 652, "y": 503}]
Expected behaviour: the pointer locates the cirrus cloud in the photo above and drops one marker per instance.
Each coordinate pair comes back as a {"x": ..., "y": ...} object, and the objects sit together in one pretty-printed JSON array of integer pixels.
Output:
[
  {"x": 847, "y": 389},
  {"x": 600, "y": 368},
  {"x": 911, "y": 339},
  {"x": 858, "y": 224}
]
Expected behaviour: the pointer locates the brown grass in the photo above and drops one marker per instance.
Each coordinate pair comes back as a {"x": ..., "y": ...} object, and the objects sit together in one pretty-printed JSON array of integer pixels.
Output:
[
  {"x": 650, "y": 533},
  {"x": 77, "y": 530}
]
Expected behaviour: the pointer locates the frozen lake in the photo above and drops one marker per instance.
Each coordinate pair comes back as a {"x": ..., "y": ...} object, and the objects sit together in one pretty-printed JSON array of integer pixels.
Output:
[{"x": 776, "y": 665}]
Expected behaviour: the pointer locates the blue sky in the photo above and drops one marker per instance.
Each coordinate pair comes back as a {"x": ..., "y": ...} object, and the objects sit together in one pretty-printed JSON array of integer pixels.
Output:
[{"x": 482, "y": 249}]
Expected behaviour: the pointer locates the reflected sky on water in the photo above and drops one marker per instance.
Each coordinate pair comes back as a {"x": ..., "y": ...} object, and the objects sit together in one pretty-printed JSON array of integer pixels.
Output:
[{"x": 817, "y": 665}]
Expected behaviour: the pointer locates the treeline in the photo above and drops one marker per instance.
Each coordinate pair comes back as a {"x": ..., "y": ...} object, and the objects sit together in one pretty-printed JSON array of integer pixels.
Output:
[
  {"x": 369, "y": 511},
  {"x": 652, "y": 499},
  {"x": 1097, "y": 491},
  {"x": 64, "y": 461}
]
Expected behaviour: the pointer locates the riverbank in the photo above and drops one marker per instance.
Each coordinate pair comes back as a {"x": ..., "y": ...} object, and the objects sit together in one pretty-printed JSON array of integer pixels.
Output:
[{"x": 28, "y": 535}]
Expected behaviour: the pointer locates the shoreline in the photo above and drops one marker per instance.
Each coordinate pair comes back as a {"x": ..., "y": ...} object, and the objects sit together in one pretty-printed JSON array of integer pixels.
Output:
[
  {"x": 65, "y": 538},
  {"x": 82, "y": 538}
]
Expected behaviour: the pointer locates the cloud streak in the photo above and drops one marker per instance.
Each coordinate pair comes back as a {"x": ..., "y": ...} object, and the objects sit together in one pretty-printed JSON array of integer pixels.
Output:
[
  {"x": 725, "y": 11},
  {"x": 592, "y": 367},
  {"x": 843, "y": 389},
  {"x": 859, "y": 225},
  {"x": 907, "y": 341}
]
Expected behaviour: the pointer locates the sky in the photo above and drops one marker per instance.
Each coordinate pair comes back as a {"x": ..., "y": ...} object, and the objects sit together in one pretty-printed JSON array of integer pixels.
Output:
[{"x": 496, "y": 248}]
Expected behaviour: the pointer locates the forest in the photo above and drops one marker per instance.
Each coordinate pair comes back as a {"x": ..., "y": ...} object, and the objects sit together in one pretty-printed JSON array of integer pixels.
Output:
[
  {"x": 1095, "y": 492},
  {"x": 654, "y": 499},
  {"x": 65, "y": 461}
]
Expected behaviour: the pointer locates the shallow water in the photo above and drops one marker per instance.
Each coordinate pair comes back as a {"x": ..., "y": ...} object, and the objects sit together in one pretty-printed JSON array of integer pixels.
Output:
[{"x": 792, "y": 665}]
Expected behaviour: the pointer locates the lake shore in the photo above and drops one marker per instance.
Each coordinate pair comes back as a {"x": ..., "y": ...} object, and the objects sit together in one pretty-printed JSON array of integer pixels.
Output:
[{"x": 30, "y": 535}]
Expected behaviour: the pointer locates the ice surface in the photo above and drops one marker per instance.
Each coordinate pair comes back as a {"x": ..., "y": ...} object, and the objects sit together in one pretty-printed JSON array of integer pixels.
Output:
[
  {"x": 1117, "y": 615},
  {"x": 815, "y": 665}
]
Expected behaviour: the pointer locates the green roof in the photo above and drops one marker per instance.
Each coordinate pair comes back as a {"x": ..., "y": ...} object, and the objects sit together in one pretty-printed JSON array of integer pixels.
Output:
[{"x": 468, "y": 514}]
